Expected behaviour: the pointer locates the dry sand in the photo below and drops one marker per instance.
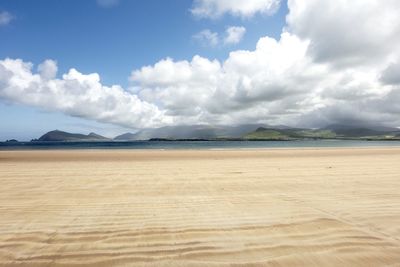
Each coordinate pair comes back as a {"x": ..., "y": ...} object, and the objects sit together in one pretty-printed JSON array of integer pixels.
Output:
[{"x": 304, "y": 207}]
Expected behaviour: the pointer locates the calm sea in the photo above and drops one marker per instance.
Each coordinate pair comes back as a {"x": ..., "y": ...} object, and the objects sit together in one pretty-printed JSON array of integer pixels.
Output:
[{"x": 195, "y": 144}]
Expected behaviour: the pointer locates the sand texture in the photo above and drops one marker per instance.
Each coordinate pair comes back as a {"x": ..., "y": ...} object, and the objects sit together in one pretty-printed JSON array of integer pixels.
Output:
[{"x": 285, "y": 207}]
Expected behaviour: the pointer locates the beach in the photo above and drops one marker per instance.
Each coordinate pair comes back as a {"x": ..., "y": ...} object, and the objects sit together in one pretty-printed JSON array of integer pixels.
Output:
[{"x": 271, "y": 207}]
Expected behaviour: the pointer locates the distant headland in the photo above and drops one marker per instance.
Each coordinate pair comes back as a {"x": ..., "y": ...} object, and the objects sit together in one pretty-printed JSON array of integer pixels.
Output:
[{"x": 249, "y": 132}]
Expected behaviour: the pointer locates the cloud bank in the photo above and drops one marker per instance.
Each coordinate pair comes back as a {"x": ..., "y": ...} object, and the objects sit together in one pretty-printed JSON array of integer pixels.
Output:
[
  {"x": 320, "y": 71},
  {"x": 335, "y": 62},
  {"x": 75, "y": 94}
]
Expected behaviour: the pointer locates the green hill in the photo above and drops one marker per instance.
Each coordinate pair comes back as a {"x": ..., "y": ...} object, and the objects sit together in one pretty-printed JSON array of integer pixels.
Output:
[
  {"x": 270, "y": 134},
  {"x": 330, "y": 132},
  {"x": 288, "y": 134}
]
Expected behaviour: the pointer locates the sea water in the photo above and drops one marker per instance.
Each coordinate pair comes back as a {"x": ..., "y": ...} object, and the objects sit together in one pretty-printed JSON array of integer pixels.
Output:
[{"x": 196, "y": 144}]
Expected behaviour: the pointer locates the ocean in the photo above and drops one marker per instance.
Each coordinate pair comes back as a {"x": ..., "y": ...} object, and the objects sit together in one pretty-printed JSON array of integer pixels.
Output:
[{"x": 195, "y": 144}]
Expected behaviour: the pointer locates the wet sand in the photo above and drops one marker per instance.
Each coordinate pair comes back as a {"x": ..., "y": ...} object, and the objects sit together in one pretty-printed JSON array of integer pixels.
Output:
[{"x": 283, "y": 207}]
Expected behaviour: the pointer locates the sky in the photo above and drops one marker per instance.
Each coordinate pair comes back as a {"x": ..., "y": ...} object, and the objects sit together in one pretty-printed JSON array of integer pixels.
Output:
[{"x": 115, "y": 66}]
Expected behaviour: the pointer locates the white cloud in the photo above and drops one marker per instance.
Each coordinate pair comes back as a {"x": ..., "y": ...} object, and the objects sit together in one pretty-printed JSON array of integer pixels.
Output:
[
  {"x": 207, "y": 37},
  {"x": 248, "y": 84},
  {"x": 5, "y": 18},
  {"x": 234, "y": 34},
  {"x": 76, "y": 94},
  {"x": 48, "y": 69},
  {"x": 345, "y": 33},
  {"x": 178, "y": 87},
  {"x": 240, "y": 8},
  {"x": 320, "y": 71},
  {"x": 107, "y": 3}
]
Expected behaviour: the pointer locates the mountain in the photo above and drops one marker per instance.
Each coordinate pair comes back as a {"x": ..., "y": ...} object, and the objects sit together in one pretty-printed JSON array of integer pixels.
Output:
[
  {"x": 64, "y": 136},
  {"x": 244, "y": 131},
  {"x": 365, "y": 131},
  {"x": 378, "y": 128},
  {"x": 125, "y": 137},
  {"x": 190, "y": 132},
  {"x": 335, "y": 131},
  {"x": 263, "y": 133},
  {"x": 97, "y": 137}
]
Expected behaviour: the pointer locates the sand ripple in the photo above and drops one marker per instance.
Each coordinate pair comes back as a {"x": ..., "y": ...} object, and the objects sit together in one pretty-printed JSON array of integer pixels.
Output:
[{"x": 325, "y": 207}]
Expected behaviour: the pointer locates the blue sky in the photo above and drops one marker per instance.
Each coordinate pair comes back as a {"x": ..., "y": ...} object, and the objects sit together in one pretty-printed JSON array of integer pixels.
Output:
[
  {"x": 111, "y": 41},
  {"x": 115, "y": 40},
  {"x": 113, "y": 66}
]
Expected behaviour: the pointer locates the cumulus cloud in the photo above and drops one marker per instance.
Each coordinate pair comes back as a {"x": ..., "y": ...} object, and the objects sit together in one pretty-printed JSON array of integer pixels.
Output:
[
  {"x": 48, "y": 69},
  {"x": 234, "y": 34},
  {"x": 240, "y": 8},
  {"x": 76, "y": 94},
  {"x": 320, "y": 71},
  {"x": 249, "y": 84},
  {"x": 5, "y": 18},
  {"x": 346, "y": 33},
  {"x": 207, "y": 37}
]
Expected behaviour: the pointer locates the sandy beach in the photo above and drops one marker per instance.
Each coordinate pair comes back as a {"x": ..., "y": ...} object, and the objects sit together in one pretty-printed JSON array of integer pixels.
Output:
[{"x": 283, "y": 207}]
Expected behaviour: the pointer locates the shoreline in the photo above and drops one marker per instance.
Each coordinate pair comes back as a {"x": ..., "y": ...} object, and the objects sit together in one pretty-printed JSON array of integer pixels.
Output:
[{"x": 174, "y": 149}]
